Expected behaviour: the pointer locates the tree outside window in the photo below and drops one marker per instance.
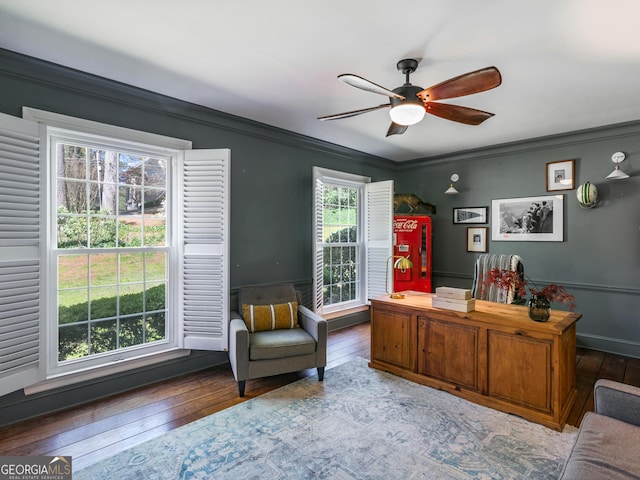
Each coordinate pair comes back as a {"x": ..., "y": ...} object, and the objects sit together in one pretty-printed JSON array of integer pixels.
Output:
[
  {"x": 111, "y": 256},
  {"x": 341, "y": 247}
]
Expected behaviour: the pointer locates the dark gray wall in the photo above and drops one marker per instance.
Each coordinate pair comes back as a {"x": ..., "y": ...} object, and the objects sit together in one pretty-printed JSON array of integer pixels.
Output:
[
  {"x": 599, "y": 260},
  {"x": 271, "y": 169},
  {"x": 271, "y": 173},
  {"x": 271, "y": 192}
]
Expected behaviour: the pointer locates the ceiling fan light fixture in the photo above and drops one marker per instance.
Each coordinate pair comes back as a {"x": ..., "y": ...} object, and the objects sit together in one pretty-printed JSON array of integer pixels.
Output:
[
  {"x": 409, "y": 103},
  {"x": 407, "y": 113}
]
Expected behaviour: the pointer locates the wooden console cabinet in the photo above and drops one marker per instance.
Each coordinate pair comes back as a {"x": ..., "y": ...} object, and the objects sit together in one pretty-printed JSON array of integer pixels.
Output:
[{"x": 495, "y": 356}]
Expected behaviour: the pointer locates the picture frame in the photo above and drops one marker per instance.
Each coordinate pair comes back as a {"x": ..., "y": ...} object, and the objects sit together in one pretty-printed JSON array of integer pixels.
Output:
[
  {"x": 477, "y": 239},
  {"x": 471, "y": 215},
  {"x": 537, "y": 219},
  {"x": 560, "y": 175}
]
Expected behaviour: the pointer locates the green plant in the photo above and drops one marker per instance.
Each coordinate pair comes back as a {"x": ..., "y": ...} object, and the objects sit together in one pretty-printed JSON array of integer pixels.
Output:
[
  {"x": 73, "y": 232},
  {"x": 102, "y": 231}
]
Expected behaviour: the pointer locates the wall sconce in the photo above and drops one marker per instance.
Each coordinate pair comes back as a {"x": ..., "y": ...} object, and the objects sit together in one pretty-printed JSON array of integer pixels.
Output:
[
  {"x": 617, "y": 174},
  {"x": 402, "y": 263},
  {"x": 452, "y": 190}
]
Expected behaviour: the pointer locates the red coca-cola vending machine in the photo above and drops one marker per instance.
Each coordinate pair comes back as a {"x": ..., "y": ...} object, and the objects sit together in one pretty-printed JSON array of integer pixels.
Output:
[{"x": 412, "y": 239}]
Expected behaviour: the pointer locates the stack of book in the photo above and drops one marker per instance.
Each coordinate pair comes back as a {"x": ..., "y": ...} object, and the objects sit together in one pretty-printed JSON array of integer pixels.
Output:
[{"x": 457, "y": 299}]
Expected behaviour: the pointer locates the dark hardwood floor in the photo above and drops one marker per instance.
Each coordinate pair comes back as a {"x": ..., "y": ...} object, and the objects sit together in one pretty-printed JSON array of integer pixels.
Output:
[{"x": 97, "y": 430}]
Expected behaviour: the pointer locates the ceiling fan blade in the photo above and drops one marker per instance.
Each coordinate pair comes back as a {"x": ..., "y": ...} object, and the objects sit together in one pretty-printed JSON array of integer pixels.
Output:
[
  {"x": 353, "y": 113},
  {"x": 456, "y": 113},
  {"x": 465, "y": 84},
  {"x": 395, "y": 129},
  {"x": 364, "y": 84}
]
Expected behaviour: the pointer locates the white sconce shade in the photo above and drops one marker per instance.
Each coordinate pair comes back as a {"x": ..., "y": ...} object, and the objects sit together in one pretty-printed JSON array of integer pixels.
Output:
[
  {"x": 617, "y": 174},
  {"x": 452, "y": 190},
  {"x": 407, "y": 113}
]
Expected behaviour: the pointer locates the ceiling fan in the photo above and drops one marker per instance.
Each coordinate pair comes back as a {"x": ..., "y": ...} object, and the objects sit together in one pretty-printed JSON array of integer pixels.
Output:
[{"x": 409, "y": 103}]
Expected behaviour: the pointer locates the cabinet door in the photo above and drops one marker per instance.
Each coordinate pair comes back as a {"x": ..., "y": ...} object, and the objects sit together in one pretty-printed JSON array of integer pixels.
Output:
[
  {"x": 391, "y": 337},
  {"x": 519, "y": 369},
  {"x": 449, "y": 352}
]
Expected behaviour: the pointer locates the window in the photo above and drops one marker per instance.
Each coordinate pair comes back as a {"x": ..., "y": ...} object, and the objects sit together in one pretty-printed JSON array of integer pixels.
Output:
[
  {"x": 110, "y": 248},
  {"x": 342, "y": 244},
  {"x": 113, "y": 252},
  {"x": 352, "y": 238}
]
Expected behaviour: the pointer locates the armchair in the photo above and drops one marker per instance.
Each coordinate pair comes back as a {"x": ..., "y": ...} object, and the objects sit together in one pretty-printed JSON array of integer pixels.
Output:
[
  {"x": 608, "y": 443},
  {"x": 258, "y": 349}
]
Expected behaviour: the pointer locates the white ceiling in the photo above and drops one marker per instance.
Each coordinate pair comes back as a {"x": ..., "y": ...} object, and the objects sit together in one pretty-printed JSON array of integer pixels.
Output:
[{"x": 566, "y": 64}]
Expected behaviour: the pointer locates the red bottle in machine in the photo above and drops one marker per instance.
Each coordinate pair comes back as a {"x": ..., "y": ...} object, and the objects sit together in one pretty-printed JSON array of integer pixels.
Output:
[{"x": 412, "y": 239}]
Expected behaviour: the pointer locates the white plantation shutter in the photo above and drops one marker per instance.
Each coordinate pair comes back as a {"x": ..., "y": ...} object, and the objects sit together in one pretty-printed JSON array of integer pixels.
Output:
[
  {"x": 205, "y": 255},
  {"x": 20, "y": 274},
  {"x": 317, "y": 243},
  {"x": 378, "y": 234}
]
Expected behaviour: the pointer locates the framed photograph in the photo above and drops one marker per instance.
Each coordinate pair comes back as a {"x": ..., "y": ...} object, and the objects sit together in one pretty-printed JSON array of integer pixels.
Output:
[
  {"x": 470, "y": 215},
  {"x": 537, "y": 219},
  {"x": 477, "y": 239},
  {"x": 560, "y": 175}
]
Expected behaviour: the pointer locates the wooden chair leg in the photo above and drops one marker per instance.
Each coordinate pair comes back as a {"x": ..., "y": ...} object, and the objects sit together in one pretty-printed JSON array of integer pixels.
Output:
[
  {"x": 320, "y": 374},
  {"x": 241, "y": 385}
]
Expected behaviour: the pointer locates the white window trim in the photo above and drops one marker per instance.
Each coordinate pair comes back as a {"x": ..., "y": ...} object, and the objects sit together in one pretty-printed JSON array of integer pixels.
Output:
[
  {"x": 193, "y": 333},
  {"x": 72, "y": 129},
  {"x": 104, "y": 130},
  {"x": 97, "y": 372},
  {"x": 376, "y": 230},
  {"x": 334, "y": 177}
]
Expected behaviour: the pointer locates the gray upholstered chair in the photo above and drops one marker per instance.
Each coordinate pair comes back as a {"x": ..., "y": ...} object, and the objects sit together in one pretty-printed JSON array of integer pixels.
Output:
[
  {"x": 608, "y": 442},
  {"x": 488, "y": 262},
  {"x": 273, "y": 352}
]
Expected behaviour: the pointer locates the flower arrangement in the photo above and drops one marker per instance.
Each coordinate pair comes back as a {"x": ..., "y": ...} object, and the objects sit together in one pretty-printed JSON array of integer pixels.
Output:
[{"x": 505, "y": 279}]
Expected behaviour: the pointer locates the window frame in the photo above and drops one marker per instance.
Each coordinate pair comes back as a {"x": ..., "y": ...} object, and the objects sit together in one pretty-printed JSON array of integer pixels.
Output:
[
  {"x": 77, "y": 136},
  {"x": 203, "y": 243},
  {"x": 358, "y": 244},
  {"x": 375, "y": 228}
]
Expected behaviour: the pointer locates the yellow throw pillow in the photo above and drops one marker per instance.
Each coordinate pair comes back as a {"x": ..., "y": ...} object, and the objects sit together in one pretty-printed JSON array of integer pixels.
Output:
[{"x": 260, "y": 318}]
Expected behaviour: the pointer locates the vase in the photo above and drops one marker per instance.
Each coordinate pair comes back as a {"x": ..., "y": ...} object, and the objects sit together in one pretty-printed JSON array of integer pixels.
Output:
[{"x": 539, "y": 307}]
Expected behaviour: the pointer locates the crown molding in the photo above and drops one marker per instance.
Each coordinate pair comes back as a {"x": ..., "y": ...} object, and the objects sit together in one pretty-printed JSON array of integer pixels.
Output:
[{"x": 40, "y": 72}]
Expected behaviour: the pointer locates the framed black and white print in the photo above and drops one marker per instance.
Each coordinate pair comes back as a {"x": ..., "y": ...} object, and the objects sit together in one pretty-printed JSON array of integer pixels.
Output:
[
  {"x": 537, "y": 219},
  {"x": 470, "y": 215},
  {"x": 560, "y": 175},
  {"x": 477, "y": 239}
]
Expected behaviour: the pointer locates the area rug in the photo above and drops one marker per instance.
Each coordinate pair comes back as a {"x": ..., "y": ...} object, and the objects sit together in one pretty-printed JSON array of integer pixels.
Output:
[{"x": 359, "y": 423}]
